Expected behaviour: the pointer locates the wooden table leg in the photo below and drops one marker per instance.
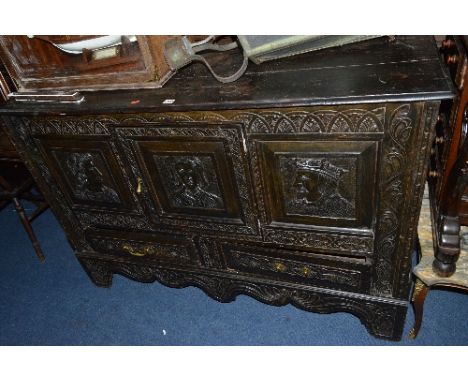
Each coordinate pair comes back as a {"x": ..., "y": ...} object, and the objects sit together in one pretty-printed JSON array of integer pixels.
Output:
[
  {"x": 419, "y": 296},
  {"x": 27, "y": 226}
]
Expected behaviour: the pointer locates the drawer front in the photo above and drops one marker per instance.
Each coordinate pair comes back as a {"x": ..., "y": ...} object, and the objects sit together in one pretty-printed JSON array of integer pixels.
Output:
[
  {"x": 149, "y": 247},
  {"x": 296, "y": 267}
]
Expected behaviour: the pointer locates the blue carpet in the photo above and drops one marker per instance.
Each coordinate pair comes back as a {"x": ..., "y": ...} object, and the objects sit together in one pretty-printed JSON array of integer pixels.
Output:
[{"x": 55, "y": 303}]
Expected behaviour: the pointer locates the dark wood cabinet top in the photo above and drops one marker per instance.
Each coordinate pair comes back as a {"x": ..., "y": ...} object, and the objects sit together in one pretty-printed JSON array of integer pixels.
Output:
[{"x": 407, "y": 68}]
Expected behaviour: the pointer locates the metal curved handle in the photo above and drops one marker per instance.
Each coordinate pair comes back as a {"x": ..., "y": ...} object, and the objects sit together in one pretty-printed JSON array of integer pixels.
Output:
[{"x": 128, "y": 248}]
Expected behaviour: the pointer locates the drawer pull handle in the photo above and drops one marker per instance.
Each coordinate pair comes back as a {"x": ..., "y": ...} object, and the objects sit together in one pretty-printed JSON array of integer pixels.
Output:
[
  {"x": 139, "y": 185},
  {"x": 433, "y": 174},
  {"x": 280, "y": 267},
  {"x": 439, "y": 140},
  {"x": 452, "y": 59},
  {"x": 134, "y": 252},
  {"x": 448, "y": 44}
]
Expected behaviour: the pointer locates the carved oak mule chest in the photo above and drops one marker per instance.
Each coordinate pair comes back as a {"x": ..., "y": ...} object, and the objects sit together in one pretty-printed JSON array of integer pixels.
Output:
[{"x": 300, "y": 183}]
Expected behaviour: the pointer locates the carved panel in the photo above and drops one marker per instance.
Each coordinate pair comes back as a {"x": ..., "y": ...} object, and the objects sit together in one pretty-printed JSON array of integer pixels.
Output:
[
  {"x": 84, "y": 174},
  {"x": 392, "y": 182},
  {"x": 190, "y": 181},
  {"x": 209, "y": 252},
  {"x": 303, "y": 185},
  {"x": 87, "y": 171},
  {"x": 306, "y": 120},
  {"x": 318, "y": 183},
  {"x": 327, "y": 242},
  {"x": 348, "y": 120},
  {"x": 411, "y": 208},
  {"x": 194, "y": 175},
  {"x": 319, "y": 186},
  {"x": 103, "y": 219}
]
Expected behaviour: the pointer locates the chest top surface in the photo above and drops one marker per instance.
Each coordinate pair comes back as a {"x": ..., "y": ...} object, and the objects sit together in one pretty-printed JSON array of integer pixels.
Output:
[{"x": 406, "y": 68}]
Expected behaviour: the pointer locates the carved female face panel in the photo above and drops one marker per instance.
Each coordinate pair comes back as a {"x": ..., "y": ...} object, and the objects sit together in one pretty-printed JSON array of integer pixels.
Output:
[
  {"x": 88, "y": 182},
  {"x": 93, "y": 175}
]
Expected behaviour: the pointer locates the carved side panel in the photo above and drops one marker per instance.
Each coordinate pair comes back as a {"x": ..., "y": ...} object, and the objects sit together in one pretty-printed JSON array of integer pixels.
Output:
[
  {"x": 395, "y": 180},
  {"x": 412, "y": 204}
]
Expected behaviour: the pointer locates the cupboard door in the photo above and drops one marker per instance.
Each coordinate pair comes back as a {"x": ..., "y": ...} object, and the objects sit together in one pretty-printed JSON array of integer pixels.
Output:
[
  {"x": 81, "y": 166},
  {"x": 319, "y": 194},
  {"x": 194, "y": 176}
]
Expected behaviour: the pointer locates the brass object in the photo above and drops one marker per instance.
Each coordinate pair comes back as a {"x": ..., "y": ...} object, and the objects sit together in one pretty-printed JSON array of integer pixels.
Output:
[
  {"x": 452, "y": 59},
  {"x": 447, "y": 44},
  {"x": 139, "y": 184},
  {"x": 439, "y": 140},
  {"x": 280, "y": 267},
  {"x": 433, "y": 174},
  {"x": 306, "y": 271},
  {"x": 133, "y": 252}
]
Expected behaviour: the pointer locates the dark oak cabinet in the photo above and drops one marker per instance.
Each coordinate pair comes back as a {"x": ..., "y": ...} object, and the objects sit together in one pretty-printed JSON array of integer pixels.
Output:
[{"x": 300, "y": 183}]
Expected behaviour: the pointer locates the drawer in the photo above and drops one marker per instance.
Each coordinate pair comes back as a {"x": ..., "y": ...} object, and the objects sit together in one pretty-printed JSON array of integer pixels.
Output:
[
  {"x": 159, "y": 248},
  {"x": 304, "y": 268}
]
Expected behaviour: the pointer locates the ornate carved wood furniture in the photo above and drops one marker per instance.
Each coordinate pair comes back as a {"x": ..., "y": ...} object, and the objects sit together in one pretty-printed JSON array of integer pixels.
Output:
[
  {"x": 426, "y": 277},
  {"x": 300, "y": 183},
  {"x": 448, "y": 186},
  {"x": 16, "y": 184}
]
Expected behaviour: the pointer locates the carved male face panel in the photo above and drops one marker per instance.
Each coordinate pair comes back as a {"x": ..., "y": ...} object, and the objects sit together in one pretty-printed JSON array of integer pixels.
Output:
[
  {"x": 187, "y": 174},
  {"x": 307, "y": 186}
]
